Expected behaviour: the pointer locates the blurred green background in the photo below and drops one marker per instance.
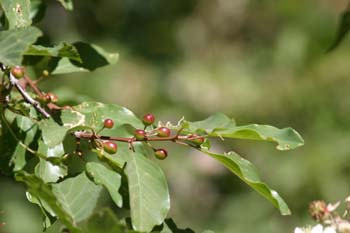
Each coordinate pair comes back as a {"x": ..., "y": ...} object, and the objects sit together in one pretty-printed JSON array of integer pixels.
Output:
[{"x": 257, "y": 61}]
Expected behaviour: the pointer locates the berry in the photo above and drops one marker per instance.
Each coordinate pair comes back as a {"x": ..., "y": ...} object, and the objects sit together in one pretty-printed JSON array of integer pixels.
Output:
[
  {"x": 197, "y": 139},
  {"x": 17, "y": 71},
  {"x": 161, "y": 154},
  {"x": 108, "y": 123},
  {"x": 163, "y": 132},
  {"x": 51, "y": 97},
  {"x": 148, "y": 119},
  {"x": 140, "y": 134},
  {"x": 110, "y": 147}
]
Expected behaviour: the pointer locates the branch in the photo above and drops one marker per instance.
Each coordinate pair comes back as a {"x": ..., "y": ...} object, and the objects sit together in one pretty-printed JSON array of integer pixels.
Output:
[{"x": 26, "y": 96}]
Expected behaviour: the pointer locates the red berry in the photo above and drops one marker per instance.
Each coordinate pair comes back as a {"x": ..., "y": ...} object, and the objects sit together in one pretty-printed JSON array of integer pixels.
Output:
[
  {"x": 140, "y": 134},
  {"x": 108, "y": 123},
  {"x": 110, "y": 147},
  {"x": 51, "y": 97},
  {"x": 164, "y": 132},
  {"x": 148, "y": 119},
  {"x": 17, "y": 71},
  {"x": 161, "y": 154}
]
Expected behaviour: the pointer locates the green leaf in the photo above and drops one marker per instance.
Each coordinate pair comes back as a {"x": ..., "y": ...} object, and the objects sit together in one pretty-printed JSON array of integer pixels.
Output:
[
  {"x": 61, "y": 50},
  {"x": 43, "y": 192},
  {"x": 92, "y": 57},
  {"x": 219, "y": 125},
  {"x": 95, "y": 113},
  {"x": 17, "y": 13},
  {"x": 14, "y": 43},
  {"x": 247, "y": 173},
  {"x": 47, "y": 171},
  {"x": 38, "y": 8},
  {"x": 343, "y": 29},
  {"x": 55, "y": 128},
  {"x": 108, "y": 178},
  {"x": 169, "y": 226},
  {"x": 148, "y": 191},
  {"x": 67, "y": 4},
  {"x": 78, "y": 196},
  {"x": 103, "y": 221}
]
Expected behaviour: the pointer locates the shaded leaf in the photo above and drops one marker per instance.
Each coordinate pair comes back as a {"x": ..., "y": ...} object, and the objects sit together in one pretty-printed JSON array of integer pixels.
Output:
[
  {"x": 78, "y": 196},
  {"x": 169, "y": 226},
  {"x": 342, "y": 31},
  {"x": 247, "y": 173},
  {"x": 108, "y": 178},
  {"x": 37, "y": 11},
  {"x": 103, "y": 221},
  {"x": 41, "y": 191},
  {"x": 219, "y": 125},
  {"x": 61, "y": 50},
  {"x": 92, "y": 57},
  {"x": 17, "y": 13},
  {"x": 14, "y": 43}
]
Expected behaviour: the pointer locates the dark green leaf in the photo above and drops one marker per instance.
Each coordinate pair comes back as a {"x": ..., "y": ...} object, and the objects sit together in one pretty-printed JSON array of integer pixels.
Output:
[
  {"x": 38, "y": 8},
  {"x": 108, "y": 178},
  {"x": 14, "y": 43},
  {"x": 219, "y": 125},
  {"x": 17, "y": 13},
  {"x": 343, "y": 29},
  {"x": 92, "y": 57},
  {"x": 43, "y": 192},
  {"x": 61, "y": 50},
  {"x": 169, "y": 226},
  {"x": 247, "y": 173},
  {"x": 103, "y": 221},
  {"x": 78, "y": 196}
]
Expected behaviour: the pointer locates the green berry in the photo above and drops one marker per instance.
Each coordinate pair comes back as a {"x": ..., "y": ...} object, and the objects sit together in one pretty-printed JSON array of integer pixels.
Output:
[
  {"x": 197, "y": 139},
  {"x": 163, "y": 132},
  {"x": 148, "y": 119},
  {"x": 161, "y": 154},
  {"x": 108, "y": 123},
  {"x": 17, "y": 71},
  {"x": 110, "y": 147},
  {"x": 140, "y": 134}
]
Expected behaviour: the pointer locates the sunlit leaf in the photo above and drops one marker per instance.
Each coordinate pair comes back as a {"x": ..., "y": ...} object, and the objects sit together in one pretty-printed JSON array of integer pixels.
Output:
[
  {"x": 17, "y": 13},
  {"x": 78, "y": 196},
  {"x": 67, "y": 4},
  {"x": 61, "y": 50},
  {"x": 247, "y": 173},
  {"x": 14, "y": 43},
  {"x": 219, "y": 125}
]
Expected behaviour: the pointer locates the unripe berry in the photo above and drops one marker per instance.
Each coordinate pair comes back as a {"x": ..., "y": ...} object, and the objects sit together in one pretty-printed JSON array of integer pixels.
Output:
[
  {"x": 148, "y": 119},
  {"x": 197, "y": 139},
  {"x": 51, "y": 97},
  {"x": 17, "y": 71},
  {"x": 108, "y": 123},
  {"x": 163, "y": 132},
  {"x": 110, "y": 147},
  {"x": 161, "y": 154},
  {"x": 140, "y": 134}
]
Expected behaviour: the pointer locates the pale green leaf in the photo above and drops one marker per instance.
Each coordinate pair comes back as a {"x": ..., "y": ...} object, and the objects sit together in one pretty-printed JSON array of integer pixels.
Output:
[
  {"x": 14, "y": 43},
  {"x": 108, "y": 178},
  {"x": 219, "y": 125},
  {"x": 43, "y": 192},
  {"x": 17, "y": 13},
  {"x": 78, "y": 196},
  {"x": 247, "y": 173},
  {"x": 67, "y": 4}
]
